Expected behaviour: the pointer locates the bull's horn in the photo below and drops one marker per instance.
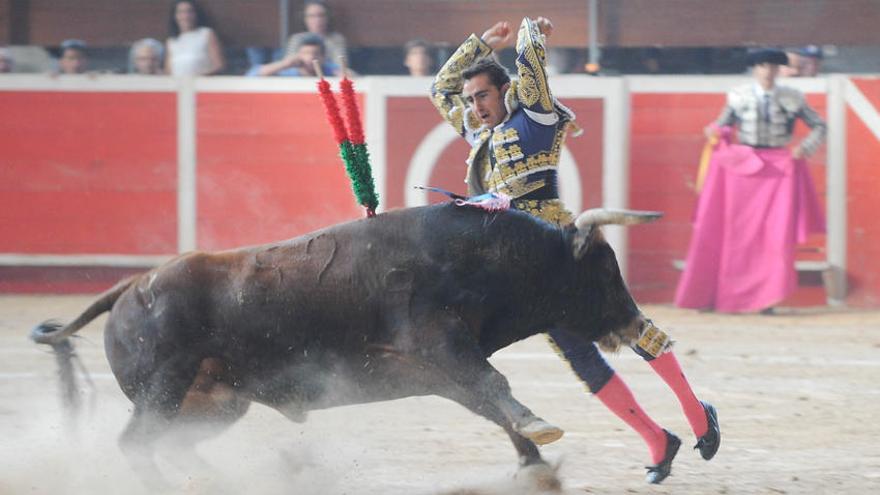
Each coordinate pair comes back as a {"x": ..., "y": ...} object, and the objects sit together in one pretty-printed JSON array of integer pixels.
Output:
[{"x": 609, "y": 216}]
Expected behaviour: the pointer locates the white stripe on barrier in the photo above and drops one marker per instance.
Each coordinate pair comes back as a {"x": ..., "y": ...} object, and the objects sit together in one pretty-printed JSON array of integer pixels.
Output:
[
  {"x": 616, "y": 166},
  {"x": 88, "y": 83},
  {"x": 187, "y": 180},
  {"x": 781, "y": 360},
  {"x": 714, "y": 84},
  {"x": 863, "y": 108},
  {"x": 239, "y": 84},
  {"x": 423, "y": 161},
  {"x": 835, "y": 178},
  {"x": 565, "y": 86},
  {"x": 116, "y": 260},
  {"x": 375, "y": 124},
  {"x": 49, "y": 375}
]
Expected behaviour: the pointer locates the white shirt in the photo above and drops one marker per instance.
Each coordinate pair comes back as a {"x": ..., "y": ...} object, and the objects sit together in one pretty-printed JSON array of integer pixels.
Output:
[{"x": 190, "y": 52}]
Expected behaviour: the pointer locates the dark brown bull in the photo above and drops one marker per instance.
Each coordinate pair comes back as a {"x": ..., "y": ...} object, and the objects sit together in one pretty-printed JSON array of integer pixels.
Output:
[{"x": 411, "y": 302}]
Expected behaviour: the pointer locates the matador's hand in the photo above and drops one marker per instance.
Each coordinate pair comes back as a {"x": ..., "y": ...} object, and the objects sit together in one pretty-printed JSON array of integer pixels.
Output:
[
  {"x": 544, "y": 25},
  {"x": 497, "y": 36},
  {"x": 710, "y": 132}
]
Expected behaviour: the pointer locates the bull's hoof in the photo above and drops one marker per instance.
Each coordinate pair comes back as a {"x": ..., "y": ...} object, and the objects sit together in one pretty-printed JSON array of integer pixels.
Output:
[
  {"x": 541, "y": 432},
  {"x": 537, "y": 478}
]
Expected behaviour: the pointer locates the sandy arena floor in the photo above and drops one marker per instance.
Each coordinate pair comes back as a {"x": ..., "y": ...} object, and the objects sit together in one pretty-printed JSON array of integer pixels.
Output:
[{"x": 798, "y": 396}]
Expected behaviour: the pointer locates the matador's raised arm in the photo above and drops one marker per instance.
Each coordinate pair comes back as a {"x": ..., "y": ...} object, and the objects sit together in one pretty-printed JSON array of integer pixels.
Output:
[{"x": 447, "y": 87}]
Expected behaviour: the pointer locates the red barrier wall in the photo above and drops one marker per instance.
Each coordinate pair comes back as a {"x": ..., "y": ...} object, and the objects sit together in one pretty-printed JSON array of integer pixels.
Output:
[
  {"x": 863, "y": 194},
  {"x": 88, "y": 173},
  {"x": 268, "y": 169},
  {"x": 96, "y": 173}
]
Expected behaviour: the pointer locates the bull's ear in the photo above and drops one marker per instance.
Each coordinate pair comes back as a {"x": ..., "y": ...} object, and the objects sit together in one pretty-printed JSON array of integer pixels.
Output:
[{"x": 580, "y": 242}]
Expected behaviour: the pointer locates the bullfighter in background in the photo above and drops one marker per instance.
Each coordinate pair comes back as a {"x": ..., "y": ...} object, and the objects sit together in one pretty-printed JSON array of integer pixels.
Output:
[{"x": 758, "y": 200}]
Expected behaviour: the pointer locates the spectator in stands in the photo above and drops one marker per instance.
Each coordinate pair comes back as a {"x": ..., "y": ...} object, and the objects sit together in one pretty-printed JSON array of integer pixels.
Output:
[
  {"x": 6, "y": 61},
  {"x": 299, "y": 63},
  {"x": 559, "y": 60},
  {"x": 811, "y": 60},
  {"x": 316, "y": 17},
  {"x": 803, "y": 61},
  {"x": 145, "y": 57},
  {"x": 793, "y": 68},
  {"x": 418, "y": 58},
  {"x": 73, "y": 59},
  {"x": 650, "y": 60},
  {"x": 193, "y": 49}
]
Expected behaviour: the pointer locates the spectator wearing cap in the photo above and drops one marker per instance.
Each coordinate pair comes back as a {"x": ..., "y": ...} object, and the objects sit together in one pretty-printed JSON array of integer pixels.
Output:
[
  {"x": 317, "y": 20},
  {"x": 811, "y": 60},
  {"x": 73, "y": 59},
  {"x": 300, "y": 63},
  {"x": 7, "y": 63},
  {"x": 803, "y": 61},
  {"x": 417, "y": 58},
  {"x": 193, "y": 48},
  {"x": 758, "y": 199},
  {"x": 145, "y": 57}
]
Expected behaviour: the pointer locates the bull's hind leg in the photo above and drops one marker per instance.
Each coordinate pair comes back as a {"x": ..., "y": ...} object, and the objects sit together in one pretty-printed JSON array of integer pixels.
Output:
[
  {"x": 157, "y": 403},
  {"x": 211, "y": 405},
  {"x": 137, "y": 444}
]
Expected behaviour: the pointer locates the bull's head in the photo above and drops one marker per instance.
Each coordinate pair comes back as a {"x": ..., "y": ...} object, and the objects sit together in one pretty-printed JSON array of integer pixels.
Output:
[
  {"x": 588, "y": 222},
  {"x": 600, "y": 306}
]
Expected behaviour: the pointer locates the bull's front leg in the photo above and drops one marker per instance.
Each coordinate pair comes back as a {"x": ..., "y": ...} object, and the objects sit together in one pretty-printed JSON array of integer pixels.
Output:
[
  {"x": 452, "y": 352},
  {"x": 490, "y": 395},
  {"x": 493, "y": 387}
]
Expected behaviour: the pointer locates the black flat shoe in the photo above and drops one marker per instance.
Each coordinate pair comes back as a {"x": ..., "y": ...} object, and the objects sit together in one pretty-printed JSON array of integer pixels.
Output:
[
  {"x": 659, "y": 472},
  {"x": 708, "y": 443}
]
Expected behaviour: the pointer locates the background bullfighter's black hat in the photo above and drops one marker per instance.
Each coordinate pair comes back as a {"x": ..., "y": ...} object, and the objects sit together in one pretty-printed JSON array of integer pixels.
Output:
[{"x": 766, "y": 56}]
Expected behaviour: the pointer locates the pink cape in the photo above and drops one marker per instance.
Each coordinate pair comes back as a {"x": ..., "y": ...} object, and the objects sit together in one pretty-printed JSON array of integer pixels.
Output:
[{"x": 755, "y": 205}]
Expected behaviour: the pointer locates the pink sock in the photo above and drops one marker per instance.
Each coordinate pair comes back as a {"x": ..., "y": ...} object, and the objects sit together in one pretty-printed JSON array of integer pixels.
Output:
[
  {"x": 666, "y": 365},
  {"x": 619, "y": 399}
]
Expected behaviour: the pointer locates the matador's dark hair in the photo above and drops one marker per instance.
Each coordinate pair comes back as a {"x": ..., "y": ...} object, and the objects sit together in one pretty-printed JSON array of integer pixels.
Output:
[{"x": 498, "y": 75}]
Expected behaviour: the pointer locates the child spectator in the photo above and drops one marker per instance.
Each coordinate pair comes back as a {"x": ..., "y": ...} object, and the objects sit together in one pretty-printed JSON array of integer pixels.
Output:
[{"x": 74, "y": 59}]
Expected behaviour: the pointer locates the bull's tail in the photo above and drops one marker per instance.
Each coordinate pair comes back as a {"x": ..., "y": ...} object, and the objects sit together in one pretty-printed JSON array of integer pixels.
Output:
[
  {"x": 57, "y": 335},
  {"x": 53, "y": 333}
]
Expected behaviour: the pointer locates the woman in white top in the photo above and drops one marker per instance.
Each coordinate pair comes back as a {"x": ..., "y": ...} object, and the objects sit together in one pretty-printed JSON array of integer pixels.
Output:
[{"x": 193, "y": 48}]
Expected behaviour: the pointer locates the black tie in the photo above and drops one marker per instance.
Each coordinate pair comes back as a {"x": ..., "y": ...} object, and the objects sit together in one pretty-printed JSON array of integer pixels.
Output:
[{"x": 766, "y": 107}]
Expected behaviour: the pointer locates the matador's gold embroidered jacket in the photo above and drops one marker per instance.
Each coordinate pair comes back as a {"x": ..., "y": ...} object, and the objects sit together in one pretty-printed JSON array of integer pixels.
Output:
[{"x": 519, "y": 157}]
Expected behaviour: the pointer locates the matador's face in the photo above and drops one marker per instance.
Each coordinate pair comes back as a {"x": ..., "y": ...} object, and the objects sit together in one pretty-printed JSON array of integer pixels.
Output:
[
  {"x": 765, "y": 74},
  {"x": 485, "y": 99}
]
